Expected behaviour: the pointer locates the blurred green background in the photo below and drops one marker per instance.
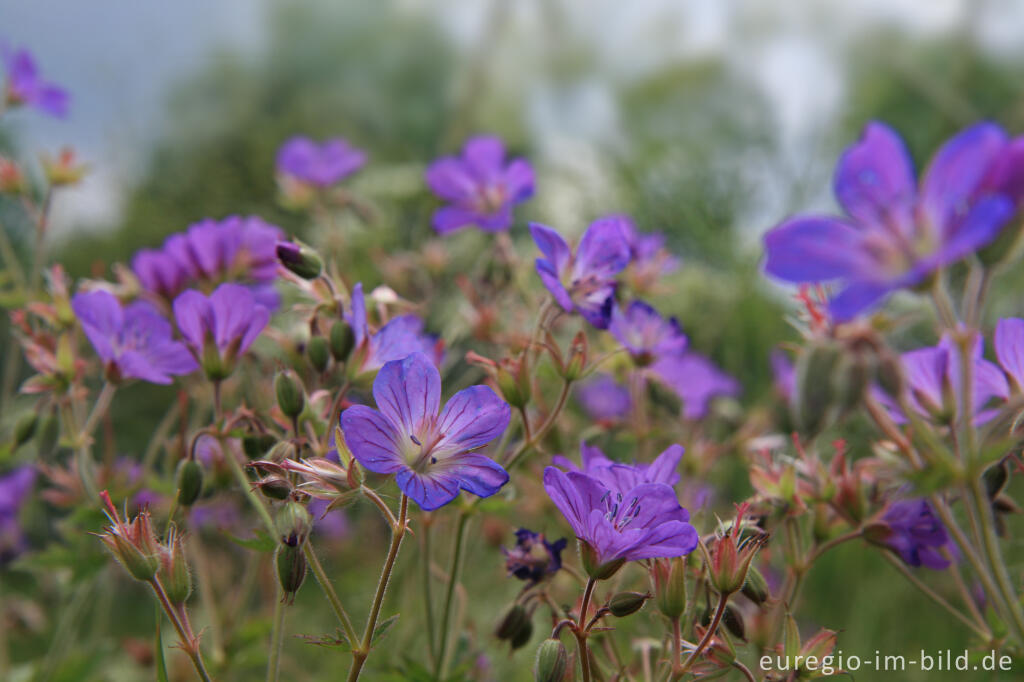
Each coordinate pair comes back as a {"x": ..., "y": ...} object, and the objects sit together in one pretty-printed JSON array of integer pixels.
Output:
[{"x": 708, "y": 121}]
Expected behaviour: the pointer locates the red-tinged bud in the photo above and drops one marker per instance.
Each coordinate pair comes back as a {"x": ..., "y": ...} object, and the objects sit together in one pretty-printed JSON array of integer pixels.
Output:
[
  {"x": 731, "y": 553},
  {"x": 513, "y": 379},
  {"x": 669, "y": 577},
  {"x": 578, "y": 355},
  {"x": 174, "y": 572},
  {"x": 64, "y": 169},
  {"x": 133, "y": 544},
  {"x": 276, "y": 487}
]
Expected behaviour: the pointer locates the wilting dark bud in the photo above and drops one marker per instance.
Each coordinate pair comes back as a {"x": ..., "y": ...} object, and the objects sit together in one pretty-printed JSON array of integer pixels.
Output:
[
  {"x": 756, "y": 587},
  {"x": 291, "y": 397},
  {"x": 25, "y": 428},
  {"x": 995, "y": 478},
  {"x": 319, "y": 352},
  {"x": 627, "y": 603},
  {"x": 190, "y": 482},
  {"x": 670, "y": 586},
  {"x": 734, "y": 622},
  {"x": 513, "y": 620},
  {"x": 597, "y": 571},
  {"x": 294, "y": 524},
  {"x": 342, "y": 340},
  {"x": 814, "y": 396},
  {"x": 48, "y": 435},
  {"x": 255, "y": 445},
  {"x": 276, "y": 487},
  {"x": 174, "y": 573},
  {"x": 522, "y": 638},
  {"x": 291, "y": 568},
  {"x": 300, "y": 259},
  {"x": 551, "y": 662}
]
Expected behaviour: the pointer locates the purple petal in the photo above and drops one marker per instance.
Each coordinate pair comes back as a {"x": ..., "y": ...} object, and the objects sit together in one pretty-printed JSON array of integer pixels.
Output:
[
  {"x": 554, "y": 285},
  {"x": 856, "y": 298},
  {"x": 408, "y": 392},
  {"x": 554, "y": 248},
  {"x": 1009, "y": 344},
  {"x": 665, "y": 467},
  {"x": 450, "y": 179},
  {"x": 604, "y": 250},
  {"x": 476, "y": 473},
  {"x": 192, "y": 313},
  {"x": 102, "y": 318},
  {"x": 979, "y": 227},
  {"x": 484, "y": 157},
  {"x": 519, "y": 181},
  {"x": 472, "y": 418},
  {"x": 236, "y": 317},
  {"x": 814, "y": 249},
  {"x": 429, "y": 490},
  {"x": 450, "y": 218},
  {"x": 372, "y": 439},
  {"x": 875, "y": 180},
  {"x": 957, "y": 171},
  {"x": 357, "y": 314}
]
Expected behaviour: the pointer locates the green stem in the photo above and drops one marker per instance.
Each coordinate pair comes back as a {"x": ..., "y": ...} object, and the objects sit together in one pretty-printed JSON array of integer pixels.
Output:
[
  {"x": 397, "y": 533},
  {"x": 528, "y": 443},
  {"x": 723, "y": 600},
  {"x": 449, "y": 597},
  {"x": 332, "y": 596},
  {"x": 254, "y": 498},
  {"x": 428, "y": 599},
  {"x": 276, "y": 639},
  {"x": 187, "y": 641},
  {"x": 581, "y": 633}
]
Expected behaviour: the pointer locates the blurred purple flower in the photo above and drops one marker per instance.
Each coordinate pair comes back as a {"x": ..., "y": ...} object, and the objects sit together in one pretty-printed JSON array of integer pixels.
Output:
[
  {"x": 399, "y": 337},
  {"x": 332, "y": 525},
  {"x": 1009, "y": 344},
  {"x": 915, "y": 533},
  {"x": 696, "y": 380},
  {"x": 603, "y": 398},
  {"x": 783, "y": 374},
  {"x": 15, "y": 489},
  {"x": 134, "y": 341},
  {"x": 533, "y": 558},
  {"x": 650, "y": 260},
  {"x": 584, "y": 282},
  {"x": 646, "y": 334},
  {"x": 621, "y": 477},
  {"x": 932, "y": 374},
  {"x": 480, "y": 187},
  {"x": 221, "y": 327},
  {"x": 897, "y": 233},
  {"x": 431, "y": 454},
  {"x": 26, "y": 86},
  {"x": 236, "y": 249},
  {"x": 643, "y": 522},
  {"x": 322, "y": 165}
]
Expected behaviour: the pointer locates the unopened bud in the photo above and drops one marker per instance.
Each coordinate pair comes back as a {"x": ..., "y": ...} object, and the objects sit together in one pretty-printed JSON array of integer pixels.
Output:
[
  {"x": 551, "y": 662},
  {"x": 627, "y": 603},
  {"x": 514, "y": 382},
  {"x": 670, "y": 586},
  {"x": 342, "y": 340},
  {"x": 291, "y": 396},
  {"x": 890, "y": 373},
  {"x": 733, "y": 621},
  {"x": 300, "y": 259},
  {"x": 291, "y": 567},
  {"x": 756, "y": 587},
  {"x": 25, "y": 428},
  {"x": 174, "y": 573},
  {"x": 190, "y": 482},
  {"x": 294, "y": 524},
  {"x": 853, "y": 374},
  {"x": 319, "y": 353},
  {"x": 995, "y": 478},
  {"x": 281, "y": 451},
  {"x": 814, "y": 396},
  {"x": 522, "y": 638},
  {"x": 577, "y": 361},
  {"x": 276, "y": 487},
  {"x": 512, "y": 621}
]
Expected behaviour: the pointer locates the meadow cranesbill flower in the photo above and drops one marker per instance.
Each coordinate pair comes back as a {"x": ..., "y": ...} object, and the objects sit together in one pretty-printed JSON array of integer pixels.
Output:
[
  {"x": 133, "y": 341},
  {"x": 933, "y": 380},
  {"x": 26, "y": 86},
  {"x": 696, "y": 380},
  {"x": 480, "y": 188},
  {"x": 533, "y": 558},
  {"x": 220, "y": 327},
  {"x": 398, "y": 338},
  {"x": 650, "y": 260},
  {"x": 645, "y": 333},
  {"x": 321, "y": 165},
  {"x": 1009, "y": 344},
  {"x": 584, "y": 282},
  {"x": 615, "y": 526},
  {"x": 896, "y": 233},
  {"x": 236, "y": 249},
  {"x": 620, "y": 476},
  {"x": 15, "y": 489},
  {"x": 911, "y": 529},
  {"x": 431, "y": 451},
  {"x": 603, "y": 398}
]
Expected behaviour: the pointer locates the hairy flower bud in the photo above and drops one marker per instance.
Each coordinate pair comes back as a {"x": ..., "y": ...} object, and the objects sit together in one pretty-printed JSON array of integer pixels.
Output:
[
  {"x": 512, "y": 621},
  {"x": 291, "y": 396},
  {"x": 174, "y": 573},
  {"x": 731, "y": 555},
  {"x": 190, "y": 482},
  {"x": 300, "y": 259},
  {"x": 733, "y": 621},
  {"x": 756, "y": 587},
  {"x": 133, "y": 544},
  {"x": 627, "y": 603},
  {"x": 291, "y": 568},
  {"x": 294, "y": 524},
  {"x": 551, "y": 662},
  {"x": 276, "y": 487},
  {"x": 814, "y": 394},
  {"x": 319, "y": 353},
  {"x": 578, "y": 354},
  {"x": 670, "y": 586},
  {"x": 342, "y": 340}
]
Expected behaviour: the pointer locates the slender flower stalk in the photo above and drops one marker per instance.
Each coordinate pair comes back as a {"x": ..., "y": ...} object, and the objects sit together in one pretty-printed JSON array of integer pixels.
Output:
[
  {"x": 276, "y": 638},
  {"x": 440, "y": 667}
]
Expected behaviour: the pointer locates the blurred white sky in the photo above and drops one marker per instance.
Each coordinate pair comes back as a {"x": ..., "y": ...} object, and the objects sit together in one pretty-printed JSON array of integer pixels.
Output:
[{"x": 119, "y": 58}]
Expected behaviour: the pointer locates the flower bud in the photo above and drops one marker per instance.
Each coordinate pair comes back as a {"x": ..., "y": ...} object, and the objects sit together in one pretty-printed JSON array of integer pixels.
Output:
[
  {"x": 577, "y": 361},
  {"x": 551, "y": 662},
  {"x": 64, "y": 169},
  {"x": 670, "y": 586},
  {"x": 190, "y": 482},
  {"x": 12, "y": 179},
  {"x": 281, "y": 451},
  {"x": 853, "y": 374},
  {"x": 814, "y": 394},
  {"x": 731, "y": 555},
  {"x": 25, "y": 428},
  {"x": 522, "y": 638},
  {"x": 513, "y": 620},
  {"x": 276, "y": 487},
  {"x": 133, "y": 544},
  {"x": 294, "y": 524},
  {"x": 291, "y": 396},
  {"x": 300, "y": 259},
  {"x": 889, "y": 373},
  {"x": 627, "y": 603},
  {"x": 594, "y": 569},
  {"x": 513, "y": 380},
  {"x": 174, "y": 573},
  {"x": 319, "y": 353},
  {"x": 291, "y": 568},
  {"x": 756, "y": 587},
  {"x": 733, "y": 621},
  {"x": 342, "y": 340}
]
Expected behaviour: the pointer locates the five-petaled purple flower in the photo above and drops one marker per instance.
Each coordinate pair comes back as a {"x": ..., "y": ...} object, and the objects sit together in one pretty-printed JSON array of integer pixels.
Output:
[
  {"x": 615, "y": 525},
  {"x": 321, "y": 165},
  {"x": 933, "y": 380},
  {"x": 533, "y": 558},
  {"x": 915, "y": 533},
  {"x": 645, "y": 333},
  {"x": 480, "y": 187},
  {"x": 603, "y": 398},
  {"x": 26, "y": 86},
  {"x": 897, "y": 233},
  {"x": 134, "y": 341},
  {"x": 15, "y": 489},
  {"x": 236, "y": 249},
  {"x": 584, "y": 282},
  {"x": 650, "y": 259},
  {"x": 399, "y": 337},
  {"x": 219, "y": 328},
  {"x": 431, "y": 451},
  {"x": 621, "y": 477},
  {"x": 696, "y": 380}
]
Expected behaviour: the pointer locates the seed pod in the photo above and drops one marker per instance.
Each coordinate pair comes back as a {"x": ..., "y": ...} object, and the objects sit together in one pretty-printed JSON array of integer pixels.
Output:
[
  {"x": 756, "y": 587},
  {"x": 190, "y": 482},
  {"x": 276, "y": 487},
  {"x": 733, "y": 621},
  {"x": 300, "y": 259},
  {"x": 319, "y": 353},
  {"x": 291, "y": 567},
  {"x": 522, "y": 637},
  {"x": 814, "y": 396},
  {"x": 551, "y": 662},
  {"x": 291, "y": 396},
  {"x": 512, "y": 621},
  {"x": 627, "y": 603},
  {"x": 342, "y": 340},
  {"x": 25, "y": 428}
]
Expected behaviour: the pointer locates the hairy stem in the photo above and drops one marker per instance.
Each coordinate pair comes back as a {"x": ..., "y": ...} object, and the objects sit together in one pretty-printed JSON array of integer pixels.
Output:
[
  {"x": 332, "y": 596},
  {"x": 449, "y": 596}
]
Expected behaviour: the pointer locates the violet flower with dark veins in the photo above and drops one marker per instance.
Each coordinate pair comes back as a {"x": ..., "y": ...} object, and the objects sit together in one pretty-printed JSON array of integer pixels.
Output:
[
  {"x": 220, "y": 327},
  {"x": 399, "y": 337}
]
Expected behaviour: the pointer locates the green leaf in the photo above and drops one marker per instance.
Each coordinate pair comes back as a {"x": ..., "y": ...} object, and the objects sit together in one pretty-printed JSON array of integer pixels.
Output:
[
  {"x": 261, "y": 543},
  {"x": 382, "y": 628}
]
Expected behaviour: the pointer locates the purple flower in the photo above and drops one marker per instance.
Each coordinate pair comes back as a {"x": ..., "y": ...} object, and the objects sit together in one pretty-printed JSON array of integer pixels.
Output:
[
  {"x": 219, "y": 328},
  {"x": 430, "y": 451},
  {"x": 210, "y": 252},
  {"x": 933, "y": 377},
  {"x": 603, "y": 398},
  {"x": 331, "y": 524},
  {"x": 134, "y": 341},
  {"x": 15, "y": 489},
  {"x": 399, "y": 337},
  {"x": 646, "y": 334},
  {"x": 783, "y": 374},
  {"x": 26, "y": 86},
  {"x": 302, "y": 159},
  {"x": 643, "y": 522},
  {"x": 897, "y": 233},
  {"x": 480, "y": 187},
  {"x": 696, "y": 380},
  {"x": 621, "y": 477},
  {"x": 533, "y": 558},
  {"x": 650, "y": 260},
  {"x": 915, "y": 533},
  {"x": 1009, "y": 343},
  {"x": 584, "y": 282}
]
